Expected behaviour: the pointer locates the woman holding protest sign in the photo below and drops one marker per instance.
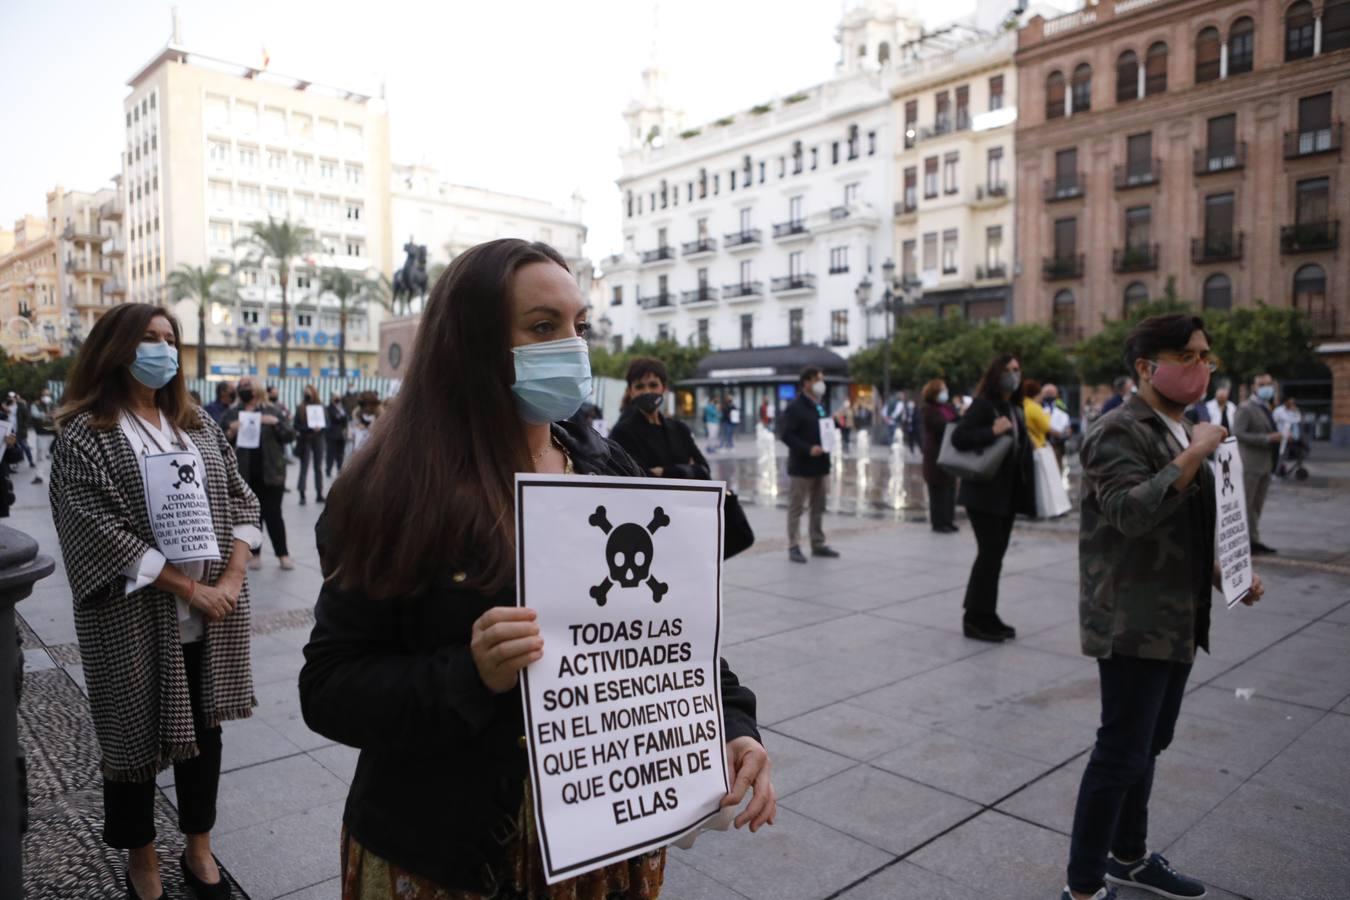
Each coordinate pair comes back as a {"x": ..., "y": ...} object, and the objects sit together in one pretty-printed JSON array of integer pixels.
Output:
[
  {"x": 417, "y": 646},
  {"x": 156, "y": 526}
]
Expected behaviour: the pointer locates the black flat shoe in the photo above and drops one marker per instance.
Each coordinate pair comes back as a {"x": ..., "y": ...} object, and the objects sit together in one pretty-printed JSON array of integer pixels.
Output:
[
  {"x": 1005, "y": 629},
  {"x": 131, "y": 890},
  {"x": 824, "y": 552},
  {"x": 981, "y": 632},
  {"x": 302, "y": 499},
  {"x": 218, "y": 891}
]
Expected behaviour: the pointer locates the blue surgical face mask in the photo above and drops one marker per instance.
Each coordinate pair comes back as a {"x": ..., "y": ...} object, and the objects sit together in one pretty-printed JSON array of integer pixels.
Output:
[
  {"x": 943, "y": 396},
  {"x": 553, "y": 379},
  {"x": 1266, "y": 392},
  {"x": 156, "y": 364}
]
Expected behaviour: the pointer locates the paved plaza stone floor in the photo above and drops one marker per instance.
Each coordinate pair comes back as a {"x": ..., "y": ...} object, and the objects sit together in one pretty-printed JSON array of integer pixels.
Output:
[{"x": 910, "y": 762}]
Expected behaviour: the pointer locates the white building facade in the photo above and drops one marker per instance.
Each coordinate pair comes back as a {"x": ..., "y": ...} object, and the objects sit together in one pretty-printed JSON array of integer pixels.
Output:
[
  {"x": 212, "y": 146},
  {"x": 755, "y": 230},
  {"x": 956, "y": 105},
  {"x": 450, "y": 218}
]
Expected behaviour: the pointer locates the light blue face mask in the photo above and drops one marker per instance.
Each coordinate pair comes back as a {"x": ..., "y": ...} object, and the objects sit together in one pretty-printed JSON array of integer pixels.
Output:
[
  {"x": 553, "y": 379},
  {"x": 156, "y": 364},
  {"x": 1266, "y": 392}
]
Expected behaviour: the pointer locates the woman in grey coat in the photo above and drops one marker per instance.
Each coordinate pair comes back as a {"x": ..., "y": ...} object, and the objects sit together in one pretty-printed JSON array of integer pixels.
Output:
[{"x": 161, "y": 603}]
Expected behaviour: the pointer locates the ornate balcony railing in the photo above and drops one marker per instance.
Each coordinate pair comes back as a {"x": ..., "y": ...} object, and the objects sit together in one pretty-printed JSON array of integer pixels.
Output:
[
  {"x": 1309, "y": 237},
  {"x": 657, "y": 255},
  {"x": 1142, "y": 258},
  {"x": 1211, "y": 160},
  {"x": 1214, "y": 248},
  {"x": 1059, "y": 268},
  {"x": 799, "y": 282}
]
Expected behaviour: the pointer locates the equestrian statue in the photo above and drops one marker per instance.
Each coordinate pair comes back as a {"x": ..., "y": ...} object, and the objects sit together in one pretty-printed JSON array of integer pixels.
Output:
[{"x": 411, "y": 280}]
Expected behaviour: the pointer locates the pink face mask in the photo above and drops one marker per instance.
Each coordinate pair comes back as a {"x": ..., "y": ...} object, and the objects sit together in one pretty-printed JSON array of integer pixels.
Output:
[{"x": 1181, "y": 384}]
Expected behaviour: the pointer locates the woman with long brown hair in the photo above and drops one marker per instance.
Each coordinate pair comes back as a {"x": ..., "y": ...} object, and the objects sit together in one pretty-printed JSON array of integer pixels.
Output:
[
  {"x": 417, "y": 644},
  {"x": 993, "y": 505},
  {"x": 161, "y": 604}
]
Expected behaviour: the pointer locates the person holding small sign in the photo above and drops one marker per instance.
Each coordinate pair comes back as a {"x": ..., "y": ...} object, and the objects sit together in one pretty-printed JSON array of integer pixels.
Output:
[
  {"x": 311, "y": 421},
  {"x": 418, "y": 647},
  {"x": 1147, "y": 564},
  {"x": 155, "y": 525},
  {"x": 260, "y": 432},
  {"x": 810, "y": 435}
]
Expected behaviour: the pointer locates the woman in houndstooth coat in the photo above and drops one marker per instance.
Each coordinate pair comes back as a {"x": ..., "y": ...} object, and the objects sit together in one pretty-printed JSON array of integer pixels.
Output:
[{"x": 163, "y": 627}]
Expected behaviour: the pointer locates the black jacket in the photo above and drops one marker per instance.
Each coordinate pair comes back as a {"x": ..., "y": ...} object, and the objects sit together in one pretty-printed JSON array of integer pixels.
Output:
[
  {"x": 442, "y": 769},
  {"x": 337, "y": 421},
  {"x": 799, "y": 428},
  {"x": 669, "y": 445},
  {"x": 1012, "y": 491}
]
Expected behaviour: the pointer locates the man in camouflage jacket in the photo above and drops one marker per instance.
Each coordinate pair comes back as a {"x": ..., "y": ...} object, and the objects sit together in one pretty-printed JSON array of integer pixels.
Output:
[
  {"x": 1145, "y": 550},
  {"x": 1146, "y": 565}
]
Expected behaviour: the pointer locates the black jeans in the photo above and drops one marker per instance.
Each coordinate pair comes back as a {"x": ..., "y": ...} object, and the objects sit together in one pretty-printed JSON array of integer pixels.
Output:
[
  {"x": 310, "y": 448},
  {"x": 129, "y": 807},
  {"x": 269, "y": 498},
  {"x": 992, "y": 533},
  {"x": 942, "y": 503},
  {"x": 1140, "y": 702},
  {"x": 336, "y": 449}
]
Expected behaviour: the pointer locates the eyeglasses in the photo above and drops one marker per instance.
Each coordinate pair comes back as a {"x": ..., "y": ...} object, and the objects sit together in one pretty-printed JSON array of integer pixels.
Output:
[{"x": 1191, "y": 358}]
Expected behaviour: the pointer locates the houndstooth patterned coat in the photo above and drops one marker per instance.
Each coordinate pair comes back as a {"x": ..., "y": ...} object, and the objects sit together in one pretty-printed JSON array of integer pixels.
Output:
[{"x": 133, "y": 663}]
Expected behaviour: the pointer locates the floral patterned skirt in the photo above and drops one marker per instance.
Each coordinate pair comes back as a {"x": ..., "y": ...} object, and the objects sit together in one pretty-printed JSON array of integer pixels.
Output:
[{"x": 366, "y": 876}]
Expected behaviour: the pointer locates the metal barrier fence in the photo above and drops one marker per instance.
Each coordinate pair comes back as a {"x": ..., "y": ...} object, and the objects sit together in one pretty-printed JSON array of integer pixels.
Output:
[{"x": 289, "y": 389}]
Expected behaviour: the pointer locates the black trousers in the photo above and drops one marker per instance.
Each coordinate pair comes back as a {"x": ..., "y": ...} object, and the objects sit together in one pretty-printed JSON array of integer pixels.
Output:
[
  {"x": 942, "y": 503},
  {"x": 269, "y": 498},
  {"x": 336, "y": 449},
  {"x": 1140, "y": 702},
  {"x": 992, "y": 533},
  {"x": 310, "y": 448},
  {"x": 129, "y": 807}
]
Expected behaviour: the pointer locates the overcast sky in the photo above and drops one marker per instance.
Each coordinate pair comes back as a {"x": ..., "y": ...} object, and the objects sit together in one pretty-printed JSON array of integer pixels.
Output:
[{"x": 523, "y": 96}]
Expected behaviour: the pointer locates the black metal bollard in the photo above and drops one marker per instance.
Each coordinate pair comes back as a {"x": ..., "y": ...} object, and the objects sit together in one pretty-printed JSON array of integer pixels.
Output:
[{"x": 20, "y": 568}]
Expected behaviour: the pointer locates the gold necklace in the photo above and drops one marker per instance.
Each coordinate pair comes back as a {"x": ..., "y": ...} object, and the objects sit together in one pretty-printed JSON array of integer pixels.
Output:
[{"x": 535, "y": 457}]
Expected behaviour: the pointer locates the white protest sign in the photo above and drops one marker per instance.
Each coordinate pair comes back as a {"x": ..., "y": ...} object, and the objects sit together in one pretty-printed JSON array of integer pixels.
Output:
[
  {"x": 623, "y": 714},
  {"x": 829, "y": 434},
  {"x": 180, "y": 513},
  {"x": 5, "y": 428},
  {"x": 315, "y": 418},
  {"x": 1232, "y": 543},
  {"x": 250, "y": 431}
]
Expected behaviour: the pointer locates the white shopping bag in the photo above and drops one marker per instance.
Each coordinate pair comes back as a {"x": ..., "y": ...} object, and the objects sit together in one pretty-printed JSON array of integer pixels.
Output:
[{"x": 1051, "y": 498}]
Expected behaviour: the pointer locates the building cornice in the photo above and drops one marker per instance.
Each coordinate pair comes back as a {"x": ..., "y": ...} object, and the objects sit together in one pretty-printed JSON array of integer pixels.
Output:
[{"x": 1195, "y": 102}]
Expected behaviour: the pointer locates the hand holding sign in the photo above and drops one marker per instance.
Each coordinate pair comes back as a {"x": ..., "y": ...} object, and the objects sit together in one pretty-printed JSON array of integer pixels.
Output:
[
  {"x": 505, "y": 640},
  {"x": 749, "y": 764},
  {"x": 250, "y": 431}
]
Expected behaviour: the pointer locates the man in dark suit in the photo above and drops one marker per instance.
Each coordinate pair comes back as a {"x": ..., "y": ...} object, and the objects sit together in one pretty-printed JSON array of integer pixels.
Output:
[
  {"x": 808, "y": 462},
  {"x": 1259, "y": 442}
]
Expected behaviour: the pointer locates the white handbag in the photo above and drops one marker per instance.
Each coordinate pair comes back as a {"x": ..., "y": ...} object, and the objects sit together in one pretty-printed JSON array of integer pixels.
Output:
[{"x": 1051, "y": 498}]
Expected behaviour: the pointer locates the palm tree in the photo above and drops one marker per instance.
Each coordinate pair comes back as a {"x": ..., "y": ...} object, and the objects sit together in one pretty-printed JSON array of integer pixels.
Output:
[
  {"x": 353, "y": 292},
  {"x": 202, "y": 284},
  {"x": 283, "y": 241}
]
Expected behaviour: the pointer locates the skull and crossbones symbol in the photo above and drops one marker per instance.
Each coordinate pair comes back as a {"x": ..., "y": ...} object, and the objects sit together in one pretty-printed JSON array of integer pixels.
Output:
[
  {"x": 1226, "y": 466},
  {"x": 187, "y": 473},
  {"x": 629, "y": 554}
]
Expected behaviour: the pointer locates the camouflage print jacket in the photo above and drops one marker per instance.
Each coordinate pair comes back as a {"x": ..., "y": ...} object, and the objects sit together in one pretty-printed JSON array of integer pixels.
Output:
[{"x": 1145, "y": 550}]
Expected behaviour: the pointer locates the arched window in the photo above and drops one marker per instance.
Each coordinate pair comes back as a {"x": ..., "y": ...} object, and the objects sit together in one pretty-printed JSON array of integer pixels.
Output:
[
  {"x": 884, "y": 53},
  {"x": 1299, "y": 24},
  {"x": 1310, "y": 290},
  {"x": 1155, "y": 70},
  {"x": 1241, "y": 46},
  {"x": 1218, "y": 294},
  {"x": 1335, "y": 25},
  {"x": 1127, "y": 77},
  {"x": 1054, "y": 95},
  {"x": 1082, "y": 88},
  {"x": 1135, "y": 295},
  {"x": 1207, "y": 52},
  {"x": 1065, "y": 315}
]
